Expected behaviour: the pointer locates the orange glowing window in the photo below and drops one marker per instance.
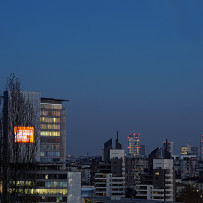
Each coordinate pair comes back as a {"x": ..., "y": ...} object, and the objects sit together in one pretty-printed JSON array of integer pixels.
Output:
[{"x": 24, "y": 134}]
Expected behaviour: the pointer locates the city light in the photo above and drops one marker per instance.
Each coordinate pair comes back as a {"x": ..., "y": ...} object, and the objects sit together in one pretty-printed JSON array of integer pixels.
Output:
[{"x": 24, "y": 134}]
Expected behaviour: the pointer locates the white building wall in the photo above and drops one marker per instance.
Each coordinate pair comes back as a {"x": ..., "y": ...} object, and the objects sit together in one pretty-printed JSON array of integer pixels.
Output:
[
  {"x": 162, "y": 163},
  {"x": 169, "y": 181},
  {"x": 117, "y": 153},
  {"x": 74, "y": 187}
]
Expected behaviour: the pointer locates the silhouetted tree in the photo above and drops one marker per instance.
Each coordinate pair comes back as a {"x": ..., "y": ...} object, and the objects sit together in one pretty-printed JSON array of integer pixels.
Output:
[
  {"x": 190, "y": 195},
  {"x": 17, "y": 158}
]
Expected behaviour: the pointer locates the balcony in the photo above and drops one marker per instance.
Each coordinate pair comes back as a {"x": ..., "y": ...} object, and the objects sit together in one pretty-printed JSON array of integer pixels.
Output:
[
  {"x": 167, "y": 185},
  {"x": 141, "y": 194},
  {"x": 117, "y": 187},
  {"x": 158, "y": 195}
]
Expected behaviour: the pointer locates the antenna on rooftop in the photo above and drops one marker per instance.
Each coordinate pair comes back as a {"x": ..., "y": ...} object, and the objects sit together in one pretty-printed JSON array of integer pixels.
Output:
[{"x": 166, "y": 144}]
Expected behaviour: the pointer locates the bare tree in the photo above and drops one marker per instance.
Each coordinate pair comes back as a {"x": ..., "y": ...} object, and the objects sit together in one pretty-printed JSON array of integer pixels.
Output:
[{"x": 18, "y": 157}]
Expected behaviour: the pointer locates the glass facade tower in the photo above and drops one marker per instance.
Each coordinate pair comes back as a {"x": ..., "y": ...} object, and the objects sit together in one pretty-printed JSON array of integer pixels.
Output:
[
  {"x": 52, "y": 130},
  {"x": 134, "y": 144}
]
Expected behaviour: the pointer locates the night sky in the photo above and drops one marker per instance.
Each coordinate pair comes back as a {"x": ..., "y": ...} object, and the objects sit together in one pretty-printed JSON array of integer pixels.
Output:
[{"x": 131, "y": 66}]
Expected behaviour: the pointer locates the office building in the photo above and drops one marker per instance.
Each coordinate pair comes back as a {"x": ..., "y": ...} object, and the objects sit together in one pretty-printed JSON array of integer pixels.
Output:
[
  {"x": 52, "y": 130},
  {"x": 159, "y": 183},
  {"x": 134, "y": 166},
  {"x": 185, "y": 150},
  {"x": 188, "y": 166},
  {"x": 45, "y": 138},
  {"x": 169, "y": 146},
  {"x": 110, "y": 174},
  {"x": 51, "y": 117},
  {"x": 134, "y": 144}
]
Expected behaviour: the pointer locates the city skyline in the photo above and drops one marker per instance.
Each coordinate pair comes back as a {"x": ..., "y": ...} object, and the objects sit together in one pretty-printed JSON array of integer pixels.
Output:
[{"x": 126, "y": 66}]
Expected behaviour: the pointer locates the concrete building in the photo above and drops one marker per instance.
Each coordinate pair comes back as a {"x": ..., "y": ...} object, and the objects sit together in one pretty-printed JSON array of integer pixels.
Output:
[
  {"x": 122, "y": 200},
  {"x": 49, "y": 137},
  {"x": 51, "y": 183},
  {"x": 188, "y": 166},
  {"x": 86, "y": 174},
  {"x": 159, "y": 183},
  {"x": 110, "y": 174},
  {"x": 74, "y": 187},
  {"x": 133, "y": 168},
  {"x": 169, "y": 146}
]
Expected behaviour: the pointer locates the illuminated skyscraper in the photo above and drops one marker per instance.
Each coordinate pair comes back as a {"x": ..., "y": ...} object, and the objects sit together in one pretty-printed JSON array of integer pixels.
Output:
[
  {"x": 48, "y": 168},
  {"x": 185, "y": 150},
  {"x": 51, "y": 117},
  {"x": 134, "y": 144},
  {"x": 52, "y": 130}
]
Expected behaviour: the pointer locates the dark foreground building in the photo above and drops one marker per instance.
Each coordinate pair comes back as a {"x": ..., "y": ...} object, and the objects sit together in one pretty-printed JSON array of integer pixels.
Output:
[
  {"x": 33, "y": 138},
  {"x": 122, "y": 200}
]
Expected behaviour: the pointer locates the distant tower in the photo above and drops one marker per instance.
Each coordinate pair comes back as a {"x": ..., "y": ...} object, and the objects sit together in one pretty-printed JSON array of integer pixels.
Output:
[
  {"x": 194, "y": 150},
  {"x": 107, "y": 148},
  {"x": 201, "y": 148},
  {"x": 134, "y": 144},
  {"x": 142, "y": 150},
  {"x": 169, "y": 146},
  {"x": 118, "y": 145},
  {"x": 185, "y": 150}
]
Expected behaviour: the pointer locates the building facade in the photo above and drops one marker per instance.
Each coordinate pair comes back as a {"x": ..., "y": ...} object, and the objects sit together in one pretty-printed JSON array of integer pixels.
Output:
[
  {"x": 52, "y": 130},
  {"x": 169, "y": 146},
  {"x": 134, "y": 144},
  {"x": 201, "y": 147},
  {"x": 110, "y": 173},
  {"x": 47, "y": 179},
  {"x": 159, "y": 182}
]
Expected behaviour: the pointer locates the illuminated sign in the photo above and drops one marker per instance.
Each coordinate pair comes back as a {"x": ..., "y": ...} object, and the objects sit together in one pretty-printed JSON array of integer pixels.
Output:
[{"x": 24, "y": 134}]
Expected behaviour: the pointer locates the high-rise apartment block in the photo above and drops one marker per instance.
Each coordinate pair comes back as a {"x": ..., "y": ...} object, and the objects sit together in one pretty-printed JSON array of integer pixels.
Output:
[
  {"x": 134, "y": 144},
  {"x": 110, "y": 174},
  {"x": 159, "y": 183}
]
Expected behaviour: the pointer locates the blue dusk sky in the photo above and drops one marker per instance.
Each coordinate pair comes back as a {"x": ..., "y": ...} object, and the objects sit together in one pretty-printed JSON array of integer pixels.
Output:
[{"x": 131, "y": 66}]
